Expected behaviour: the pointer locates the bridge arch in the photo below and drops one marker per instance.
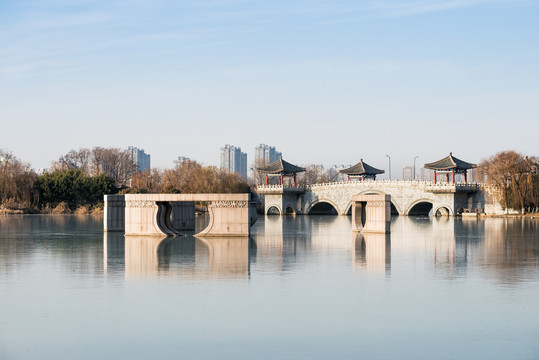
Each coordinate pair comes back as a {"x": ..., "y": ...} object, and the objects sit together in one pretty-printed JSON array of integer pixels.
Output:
[
  {"x": 443, "y": 210},
  {"x": 274, "y": 210},
  {"x": 289, "y": 210},
  {"x": 324, "y": 201},
  {"x": 420, "y": 207},
  {"x": 395, "y": 208}
]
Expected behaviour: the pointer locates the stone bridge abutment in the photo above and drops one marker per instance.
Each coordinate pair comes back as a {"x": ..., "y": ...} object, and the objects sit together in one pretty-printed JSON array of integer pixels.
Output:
[{"x": 172, "y": 214}]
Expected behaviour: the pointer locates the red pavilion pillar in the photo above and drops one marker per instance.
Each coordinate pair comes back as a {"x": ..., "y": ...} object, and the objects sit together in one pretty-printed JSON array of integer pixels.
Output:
[
  {"x": 453, "y": 175},
  {"x": 466, "y": 177},
  {"x": 295, "y": 180},
  {"x": 282, "y": 180},
  {"x": 447, "y": 178},
  {"x": 267, "y": 180},
  {"x": 435, "y": 177}
]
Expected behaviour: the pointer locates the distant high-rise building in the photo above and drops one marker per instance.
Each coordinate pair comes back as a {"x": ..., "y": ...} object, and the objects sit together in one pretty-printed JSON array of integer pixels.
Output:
[
  {"x": 233, "y": 160},
  {"x": 180, "y": 160},
  {"x": 140, "y": 158},
  {"x": 265, "y": 154},
  {"x": 426, "y": 174},
  {"x": 407, "y": 172}
]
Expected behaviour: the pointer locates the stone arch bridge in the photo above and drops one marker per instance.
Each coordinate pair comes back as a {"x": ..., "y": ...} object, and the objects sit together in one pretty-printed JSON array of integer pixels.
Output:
[{"x": 407, "y": 197}]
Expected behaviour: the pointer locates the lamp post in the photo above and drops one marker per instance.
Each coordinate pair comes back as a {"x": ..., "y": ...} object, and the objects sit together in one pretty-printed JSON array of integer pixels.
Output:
[
  {"x": 389, "y": 158},
  {"x": 413, "y": 178}
]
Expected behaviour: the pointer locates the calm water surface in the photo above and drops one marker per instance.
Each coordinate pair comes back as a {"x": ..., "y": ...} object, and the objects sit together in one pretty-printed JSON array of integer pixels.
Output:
[{"x": 301, "y": 288}]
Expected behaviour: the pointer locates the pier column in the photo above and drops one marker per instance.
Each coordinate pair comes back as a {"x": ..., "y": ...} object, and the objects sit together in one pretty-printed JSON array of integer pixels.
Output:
[
  {"x": 371, "y": 213},
  {"x": 114, "y": 213}
]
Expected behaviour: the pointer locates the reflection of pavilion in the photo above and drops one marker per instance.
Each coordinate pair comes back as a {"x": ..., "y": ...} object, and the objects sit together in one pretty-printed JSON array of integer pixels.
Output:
[{"x": 178, "y": 256}]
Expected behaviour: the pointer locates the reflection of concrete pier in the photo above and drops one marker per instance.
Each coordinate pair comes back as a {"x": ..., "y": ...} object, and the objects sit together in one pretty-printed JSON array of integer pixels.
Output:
[
  {"x": 373, "y": 251},
  {"x": 113, "y": 251},
  {"x": 149, "y": 256},
  {"x": 170, "y": 214}
]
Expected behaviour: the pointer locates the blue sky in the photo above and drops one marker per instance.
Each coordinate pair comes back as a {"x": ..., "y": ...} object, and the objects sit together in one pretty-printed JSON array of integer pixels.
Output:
[{"x": 326, "y": 82}]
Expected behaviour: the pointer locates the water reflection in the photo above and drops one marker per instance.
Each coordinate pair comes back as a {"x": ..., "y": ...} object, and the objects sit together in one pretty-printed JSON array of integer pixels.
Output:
[
  {"x": 287, "y": 242},
  {"x": 372, "y": 252},
  {"x": 447, "y": 281},
  {"x": 185, "y": 256},
  {"x": 113, "y": 251},
  {"x": 72, "y": 244},
  {"x": 505, "y": 250}
]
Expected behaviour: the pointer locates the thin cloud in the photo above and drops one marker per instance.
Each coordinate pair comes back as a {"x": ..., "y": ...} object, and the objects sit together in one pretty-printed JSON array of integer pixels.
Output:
[
  {"x": 70, "y": 20},
  {"x": 399, "y": 9}
]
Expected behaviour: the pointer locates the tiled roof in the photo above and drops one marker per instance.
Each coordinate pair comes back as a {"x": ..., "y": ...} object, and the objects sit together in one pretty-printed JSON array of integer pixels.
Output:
[
  {"x": 280, "y": 166},
  {"x": 361, "y": 168},
  {"x": 450, "y": 162}
]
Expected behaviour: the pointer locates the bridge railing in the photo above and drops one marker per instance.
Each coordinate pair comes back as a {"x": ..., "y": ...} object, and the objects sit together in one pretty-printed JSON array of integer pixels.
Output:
[
  {"x": 279, "y": 188},
  {"x": 399, "y": 183},
  {"x": 427, "y": 185}
]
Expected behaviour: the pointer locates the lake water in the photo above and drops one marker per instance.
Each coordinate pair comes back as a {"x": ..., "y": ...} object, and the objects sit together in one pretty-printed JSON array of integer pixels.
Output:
[{"x": 303, "y": 287}]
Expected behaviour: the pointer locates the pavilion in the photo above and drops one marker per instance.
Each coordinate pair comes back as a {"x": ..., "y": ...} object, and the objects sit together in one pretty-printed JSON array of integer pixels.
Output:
[
  {"x": 361, "y": 171},
  {"x": 450, "y": 164},
  {"x": 280, "y": 169}
]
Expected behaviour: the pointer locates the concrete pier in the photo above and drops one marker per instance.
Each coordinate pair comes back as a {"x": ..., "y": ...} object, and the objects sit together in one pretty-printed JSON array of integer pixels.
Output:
[
  {"x": 371, "y": 213},
  {"x": 170, "y": 214}
]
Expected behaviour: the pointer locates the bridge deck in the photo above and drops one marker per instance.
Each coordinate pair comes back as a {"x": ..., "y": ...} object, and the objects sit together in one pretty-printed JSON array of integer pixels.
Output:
[
  {"x": 428, "y": 186},
  {"x": 405, "y": 195}
]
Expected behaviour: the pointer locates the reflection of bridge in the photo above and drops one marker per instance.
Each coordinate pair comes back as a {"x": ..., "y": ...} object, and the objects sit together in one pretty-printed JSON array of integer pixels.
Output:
[{"x": 407, "y": 197}]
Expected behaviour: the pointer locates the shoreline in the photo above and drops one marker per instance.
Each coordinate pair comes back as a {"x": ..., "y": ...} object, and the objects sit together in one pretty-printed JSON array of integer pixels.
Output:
[
  {"x": 100, "y": 212},
  {"x": 534, "y": 216}
]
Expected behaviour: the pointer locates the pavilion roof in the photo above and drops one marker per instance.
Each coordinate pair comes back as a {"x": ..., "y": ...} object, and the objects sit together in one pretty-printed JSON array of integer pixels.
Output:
[
  {"x": 361, "y": 168},
  {"x": 449, "y": 163},
  {"x": 280, "y": 167}
]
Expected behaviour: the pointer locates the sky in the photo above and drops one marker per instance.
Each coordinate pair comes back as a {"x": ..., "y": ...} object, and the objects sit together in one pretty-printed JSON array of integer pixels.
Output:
[{"x": 326, "y": 82}]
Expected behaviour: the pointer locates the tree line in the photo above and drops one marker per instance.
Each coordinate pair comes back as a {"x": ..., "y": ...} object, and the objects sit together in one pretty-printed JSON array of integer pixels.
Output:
[
  {"x": 80, "y": 178},
  {"x": 189, "y": 177}
]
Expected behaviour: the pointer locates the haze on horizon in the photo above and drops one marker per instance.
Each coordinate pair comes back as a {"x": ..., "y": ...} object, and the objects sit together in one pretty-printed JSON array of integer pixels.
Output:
[{"x": 326, "y": 82}]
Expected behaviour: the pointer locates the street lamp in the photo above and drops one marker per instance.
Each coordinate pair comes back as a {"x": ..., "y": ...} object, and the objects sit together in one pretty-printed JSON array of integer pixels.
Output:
[
  {"x": 414, "y": 167},
  {"x": 389, "y": 158}
]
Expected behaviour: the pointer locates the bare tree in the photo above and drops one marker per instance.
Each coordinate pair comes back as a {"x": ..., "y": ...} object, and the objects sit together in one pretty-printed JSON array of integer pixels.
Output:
[
  {"x": 179, "y": 178},
  {"x": 113, "y": 162},
  {"x": 74, "y": 159},
  {"x": 314, "y": 174},
  {"x": 258, "y": 176},
  {"x": 189, "y": 177},
  {"x": 16, "y": 181},
  {"x": 512, "y": 173}
]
